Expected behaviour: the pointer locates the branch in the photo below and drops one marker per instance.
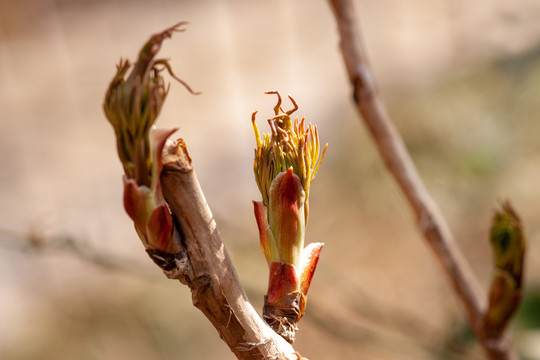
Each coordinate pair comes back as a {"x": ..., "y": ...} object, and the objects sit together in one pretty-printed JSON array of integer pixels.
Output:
[
  {"x": 215, "y": 286},
  {"x": 35, "y": 242},
  {"x": 396, "y": 158}
]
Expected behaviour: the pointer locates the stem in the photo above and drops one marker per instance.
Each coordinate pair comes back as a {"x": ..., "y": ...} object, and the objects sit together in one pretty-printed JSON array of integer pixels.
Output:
[
  {"x": 215, "y": 286},
  {"x": 398, "y": 162}
]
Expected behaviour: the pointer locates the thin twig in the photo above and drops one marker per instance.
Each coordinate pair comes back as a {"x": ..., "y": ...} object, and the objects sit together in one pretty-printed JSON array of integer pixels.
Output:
[
  {"x": 36, "y": 243},
  {"x": 398, "y": 161}
]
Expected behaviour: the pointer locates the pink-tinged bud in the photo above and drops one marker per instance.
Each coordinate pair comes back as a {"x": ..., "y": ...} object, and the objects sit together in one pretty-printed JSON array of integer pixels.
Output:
[
  {"x": 283, "y": 281},
  {"x": 137, "y": 202},
  {"x": 159, "y": 230},
  {"x": 268, "y": 243},
  {"x": 286, "y": 216},
  {"x": 146, "y": 206},
  {"x": 308, "y": 264}
]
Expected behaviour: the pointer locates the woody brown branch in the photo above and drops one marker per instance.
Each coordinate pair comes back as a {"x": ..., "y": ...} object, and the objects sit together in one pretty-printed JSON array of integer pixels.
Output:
[
  {"x": 429, "y": 219},
  {"x": 215, "y": 286}
]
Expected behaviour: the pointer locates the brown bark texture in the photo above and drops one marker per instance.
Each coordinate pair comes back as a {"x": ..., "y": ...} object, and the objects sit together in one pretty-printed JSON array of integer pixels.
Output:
[{"x": 205, "y": 266}]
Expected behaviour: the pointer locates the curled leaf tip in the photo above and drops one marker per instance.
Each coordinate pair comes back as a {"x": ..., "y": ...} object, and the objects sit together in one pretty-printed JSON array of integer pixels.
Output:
[
  {"x": 133, "y": 102},
  {"x": 289, "y": 144}
]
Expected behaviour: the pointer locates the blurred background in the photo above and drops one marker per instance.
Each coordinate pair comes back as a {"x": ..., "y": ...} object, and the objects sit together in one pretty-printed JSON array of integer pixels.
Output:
[{"x": 461, "y": 80}]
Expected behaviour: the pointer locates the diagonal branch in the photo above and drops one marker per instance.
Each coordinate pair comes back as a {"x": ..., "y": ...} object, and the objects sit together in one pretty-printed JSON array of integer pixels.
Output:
[
  {"x": 210, "y": 274},
  {"x": 396, "y": 158}
]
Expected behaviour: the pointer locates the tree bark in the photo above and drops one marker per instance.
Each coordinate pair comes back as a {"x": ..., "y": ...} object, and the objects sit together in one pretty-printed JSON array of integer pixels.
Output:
[{"x": 206, "y": 267}]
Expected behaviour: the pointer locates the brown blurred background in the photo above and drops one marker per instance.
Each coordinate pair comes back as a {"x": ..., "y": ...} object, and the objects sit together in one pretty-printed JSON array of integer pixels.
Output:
[{"x": 461, "y": 80}]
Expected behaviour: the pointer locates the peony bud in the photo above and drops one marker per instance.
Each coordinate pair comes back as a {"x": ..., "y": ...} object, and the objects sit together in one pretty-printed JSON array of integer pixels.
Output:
[
  {"x": 132, "y": 105},
  {"x": 286, "y": 161}
]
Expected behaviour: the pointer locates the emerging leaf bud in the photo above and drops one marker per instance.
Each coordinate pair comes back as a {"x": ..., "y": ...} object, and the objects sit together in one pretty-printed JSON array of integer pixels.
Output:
[
  {"x": 132, "y": 105},
  {"x": 508, "y": 243},
  {"x": 286, "y": 161}
]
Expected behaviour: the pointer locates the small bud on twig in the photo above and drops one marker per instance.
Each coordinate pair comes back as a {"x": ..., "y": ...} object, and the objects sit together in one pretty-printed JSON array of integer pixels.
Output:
[{"x": 508, "y": 243}]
